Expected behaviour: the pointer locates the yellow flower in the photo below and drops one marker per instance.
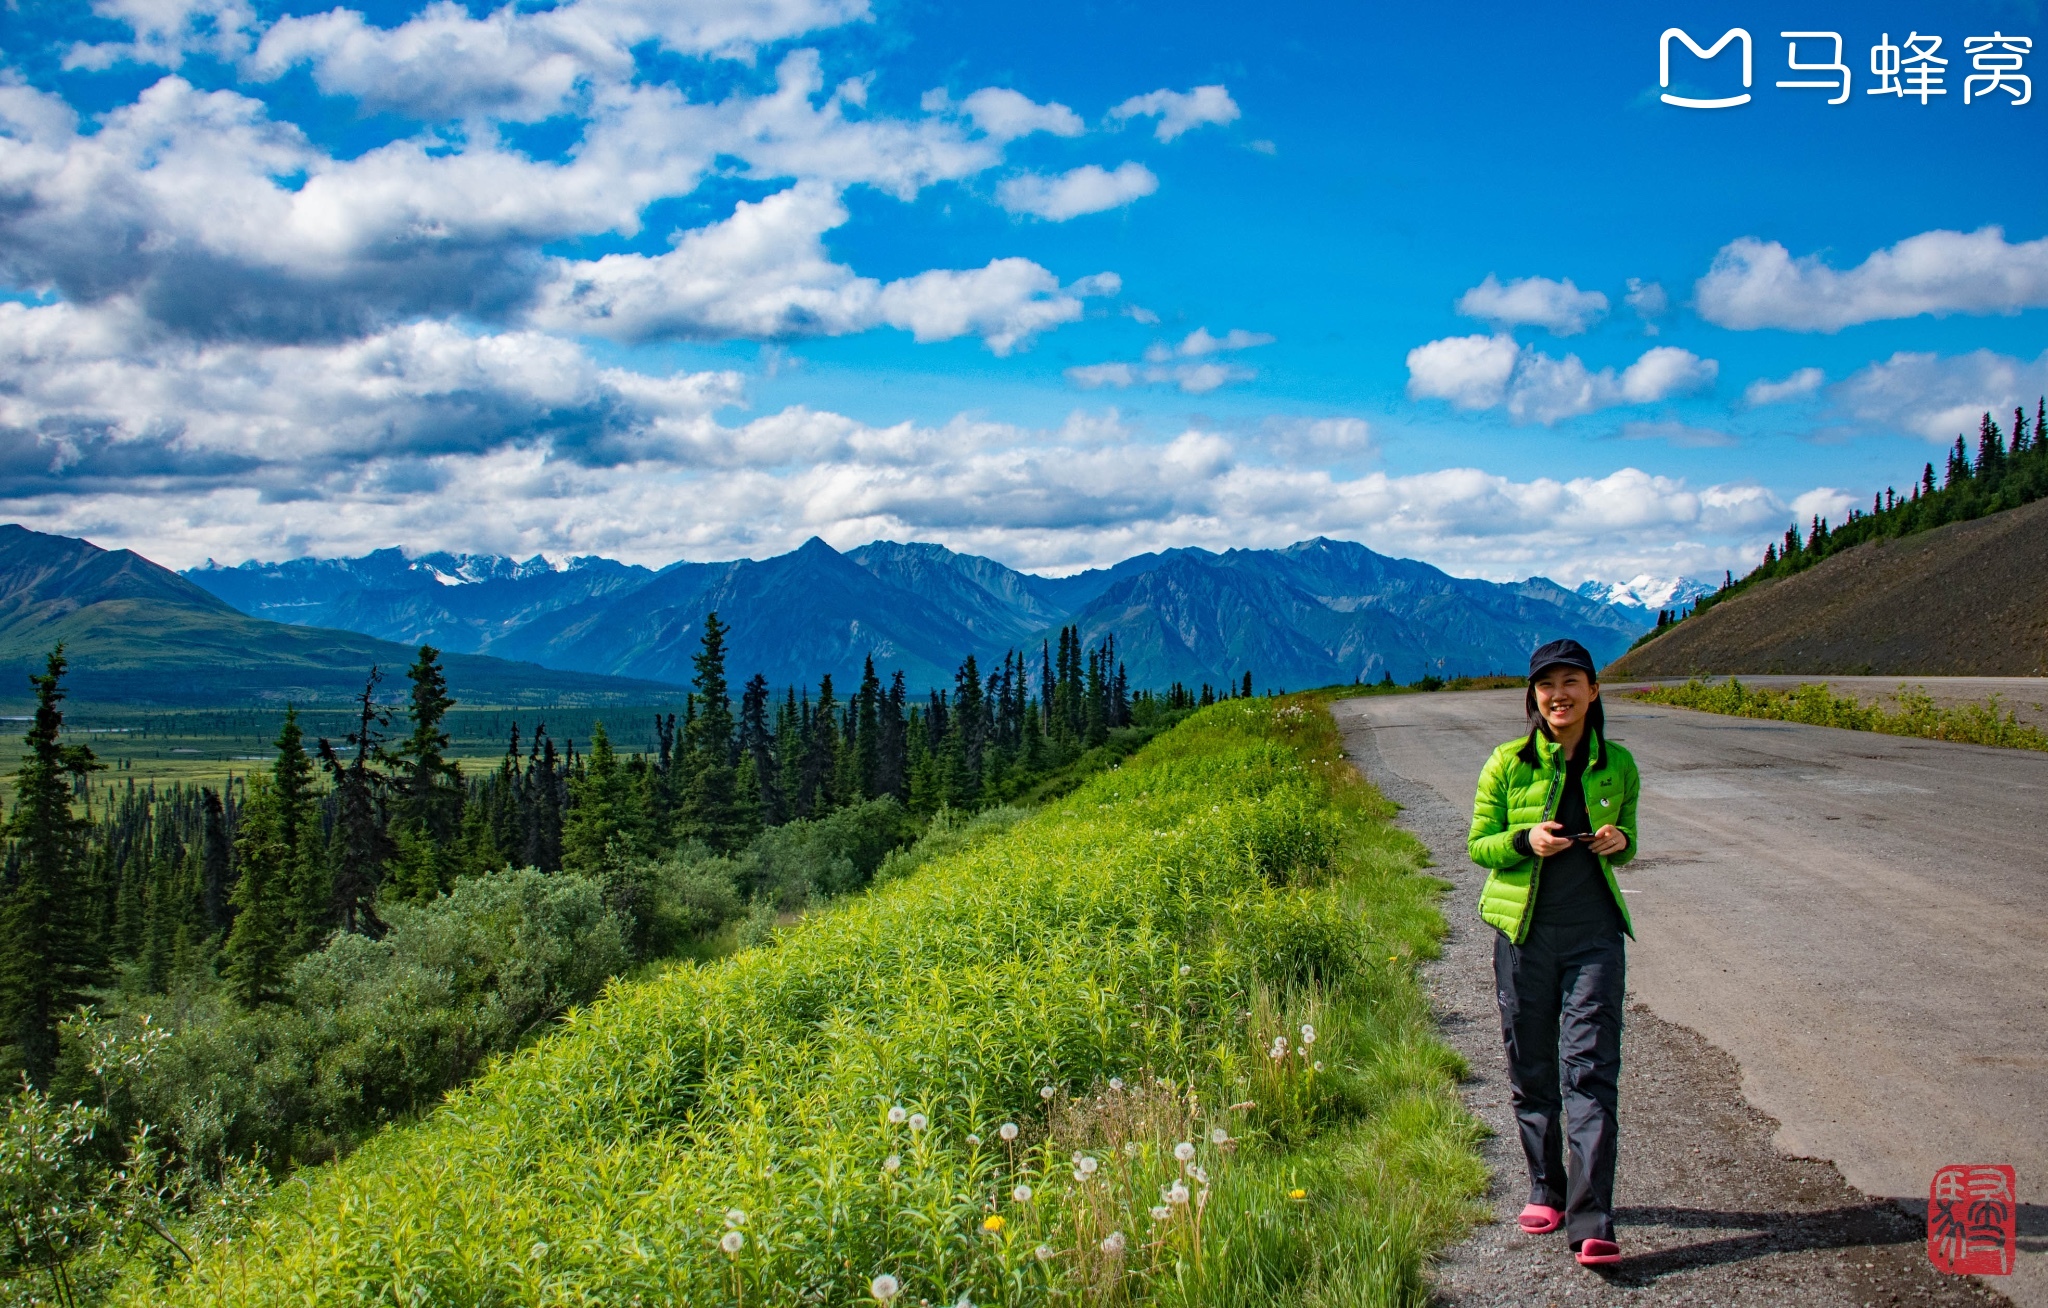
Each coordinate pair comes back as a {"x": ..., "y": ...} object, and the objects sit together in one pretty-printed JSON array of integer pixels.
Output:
[
  {"x": 992, "y": 1223},
  {"x": 1297, "y": 1195}
]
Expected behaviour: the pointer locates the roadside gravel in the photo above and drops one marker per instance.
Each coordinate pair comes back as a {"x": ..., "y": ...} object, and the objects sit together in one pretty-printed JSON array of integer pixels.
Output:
[{"x": 1710, "y": 1213}]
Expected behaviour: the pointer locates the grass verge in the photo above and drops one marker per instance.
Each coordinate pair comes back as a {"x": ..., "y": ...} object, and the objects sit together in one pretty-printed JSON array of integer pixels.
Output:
[
  {"x": 1162, "y": 1042},
  {"x": 1816, "y": 705}
]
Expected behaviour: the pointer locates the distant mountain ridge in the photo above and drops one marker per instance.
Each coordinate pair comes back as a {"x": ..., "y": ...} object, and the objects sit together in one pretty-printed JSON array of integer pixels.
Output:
[
  {"x": 133, "y": 630},
  {"x": 1648, "y": 593},
  {"x": 1314, "y": 613}
]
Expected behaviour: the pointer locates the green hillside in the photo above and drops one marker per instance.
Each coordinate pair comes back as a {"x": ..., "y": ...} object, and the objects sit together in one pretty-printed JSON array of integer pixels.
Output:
[
  {"x": 1188, "y": 989},
  {"x": 138, "y": 632}
]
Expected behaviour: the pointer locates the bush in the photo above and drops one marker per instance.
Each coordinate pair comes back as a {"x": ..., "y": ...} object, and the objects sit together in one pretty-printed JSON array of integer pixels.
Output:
[
  {"x": 787, "y": 1124},
  {"x": 1814, "y": 705}
]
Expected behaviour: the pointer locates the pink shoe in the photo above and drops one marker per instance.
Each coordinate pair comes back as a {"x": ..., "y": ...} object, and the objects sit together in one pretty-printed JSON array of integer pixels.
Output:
[
  {"x": 1536, "y": 1219},
  {"x": 1598, "y": 1253}
]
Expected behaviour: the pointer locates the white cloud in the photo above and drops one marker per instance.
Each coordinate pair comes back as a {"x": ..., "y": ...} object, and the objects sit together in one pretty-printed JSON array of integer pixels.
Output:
[
  {"x": 1481, "y": 372},
  {"x": 1755, "y": 283},
  {"x": 1682, "y": 435},
  {"x": 1649, "y": 301},
  {"x": 521, "y": 64},
  {"x": 1199, "y": 342},
  {"x": 166, "y": 31},
  {"x": 1560, "y": 308},
  {"x": 1191, "y": 378},
  {"x": 1087, "y": 189},
  {"x": 1179, "y": 112},
  {"x": 1005, "y": 303},
  {"x": 1307, "y": 440},
  {"x": 1006, "y": 115},
  {"x": 1471, "y": 372},
  {"x": 1939, "y": 398},
  {"x": 1799, "y": 385}
]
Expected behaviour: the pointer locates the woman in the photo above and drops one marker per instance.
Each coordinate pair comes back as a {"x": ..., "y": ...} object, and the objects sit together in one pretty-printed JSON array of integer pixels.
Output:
[{"x": 1555, "y": 814}]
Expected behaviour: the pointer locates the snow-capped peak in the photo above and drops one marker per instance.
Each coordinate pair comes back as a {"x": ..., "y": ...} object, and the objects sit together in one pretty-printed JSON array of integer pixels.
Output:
[{"x": 1647, "y": 592}]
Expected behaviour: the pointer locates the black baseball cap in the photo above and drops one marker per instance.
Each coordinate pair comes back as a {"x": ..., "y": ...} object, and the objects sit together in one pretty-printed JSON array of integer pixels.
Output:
[{"x": 1569, "y": 653}]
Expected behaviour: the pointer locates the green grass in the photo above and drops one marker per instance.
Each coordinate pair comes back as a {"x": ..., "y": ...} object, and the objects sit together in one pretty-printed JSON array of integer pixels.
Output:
[
  {"x": 1108, "y": 975},
  {"x": 1917, "y": 714}
]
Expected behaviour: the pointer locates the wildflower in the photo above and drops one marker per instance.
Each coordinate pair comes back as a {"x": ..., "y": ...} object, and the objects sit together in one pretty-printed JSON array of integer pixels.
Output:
[
  {"x": 973, "y": 1139},
  {"x": 897, "y": 1114},
  {"x": 918, "y": 1121},
  {"x": 1007, "y": 1130},
  {"x": 992, "y": 1223},
  {"x": 1045, "y": 1092},
  {"x": 1297, "y": 1195},
  {"x": 892, "y": 1162},
  {"x": 1043, "y": 1253},
  {"x": 1022, "y": 1194},
  {"x": 1113, "y": 1243},
  {"x": 1177, "y": 1193},
  {"x": 1201, "y": 1177},
  {"x": 735, "y": 1217},
  {"x": 1308, "y": 1034},
  {"x": 1116, "y": 1083},
  {"x": 1185, "y": 969},
  {"x": 1160, "y": 1212},
  {"x": 733, "y": 1241},
  {"x": 1088, "y": 1164},
  {"x": 1131, "y": 1147},
  {"x": 1319, "y": 1065},
  {"x": 885, "y": 1287},
  {"x": 1184, "y": 1151},
  {"x": 1219, "y": 1136}
]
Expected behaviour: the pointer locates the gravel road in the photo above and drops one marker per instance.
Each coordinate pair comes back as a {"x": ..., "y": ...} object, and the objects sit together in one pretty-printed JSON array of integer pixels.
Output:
[{"x": 1714, "y": 1207}]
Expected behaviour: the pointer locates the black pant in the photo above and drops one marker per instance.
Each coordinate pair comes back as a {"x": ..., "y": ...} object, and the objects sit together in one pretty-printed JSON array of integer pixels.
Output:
[{"x": 1560, "y": 995}]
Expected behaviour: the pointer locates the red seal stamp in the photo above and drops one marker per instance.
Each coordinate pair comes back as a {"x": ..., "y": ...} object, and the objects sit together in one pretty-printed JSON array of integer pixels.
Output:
[{"x": 1972, "y": 1219}]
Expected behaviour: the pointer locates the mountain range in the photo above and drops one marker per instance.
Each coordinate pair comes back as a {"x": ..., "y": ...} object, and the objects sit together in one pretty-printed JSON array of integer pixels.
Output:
[
  {"x": 133, "y": 630},
  {"x": 1315, "y": 613},
  {"x": 1647, "y": 594}
]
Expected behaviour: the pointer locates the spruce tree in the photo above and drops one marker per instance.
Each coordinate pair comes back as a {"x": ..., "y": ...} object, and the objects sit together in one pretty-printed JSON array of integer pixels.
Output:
[
  {"x": 427, "y": 798},
  {"x": 709, "y": 811},
  {"x": 866, "y": 751},
  {"x": 279, "y": 898},
  {"x": 602, "y": 828},
  {"x": 46, "y": 951},
  {"x": 360, "y": 847}
]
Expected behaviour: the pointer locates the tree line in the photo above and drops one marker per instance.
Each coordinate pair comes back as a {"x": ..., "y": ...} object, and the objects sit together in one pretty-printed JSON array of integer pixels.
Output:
[{"x": 2004, "y": 472}]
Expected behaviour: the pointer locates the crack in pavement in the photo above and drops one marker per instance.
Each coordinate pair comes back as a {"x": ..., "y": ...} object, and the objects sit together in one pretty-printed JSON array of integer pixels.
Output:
[{"x": 1709, "y": 1211}]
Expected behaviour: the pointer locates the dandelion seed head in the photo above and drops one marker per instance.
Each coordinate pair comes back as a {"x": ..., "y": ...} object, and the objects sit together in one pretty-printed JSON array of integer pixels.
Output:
[
  {"x": 1043, "y": 1253},
  {"x": 1177, "y": 1193},
  {"x": 918, "y": 1121},
  {"x": 1184, "y": 1151},
  {"x": 1160, "y": 1212},
  {"x": 1319, "y": 1065},
  {"x": 1195, "y": 1170},
  {"x": 1007, "y": 1130},
  {"x": 733, "y": 1241},
  {"x": 885, "y": 1287},
  {"x": 963, "y": 1301},
  {"x": 1045, "y": 1092},
  {"x": 892, "y": 1162},
  {"x": 973, "y": 1139},
  {"x": 1076, "y": 1159},
  {"x": 1022, "y": 1194},
  {"x": 1219, "y": 1136},
  {"x": 1185, "y": 970},
  {"x": 1089, "y": 1165},
  {"x": 1113, "y": 1243},
  {"x": 1131, "y": 1147},
  {"x": 1116, "y": 1083},
  {"x": 1308, "y": 1034},
  {"x": 735, "y": 1217},
  {"x": 897, "y": 1114}
]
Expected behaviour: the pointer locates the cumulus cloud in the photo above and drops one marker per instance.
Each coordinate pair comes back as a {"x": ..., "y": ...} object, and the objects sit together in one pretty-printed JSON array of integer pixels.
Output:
[
  {"x": 1087, "y": 189},
  {"x": 1754, "y": 283},
  {"x": 166, "y": 31},
  {"x": 1649, "y": 301},
  {"x": 520, "y": 64},
  {"x": 1560, "y": 308},
  {"x": 1483, "y": 372},
  {"x": 1199, "y": 342},
  {"x": 1179, "y": 112},
  {"x": 1006, "y": 115},
  {"x": 1799, "y": 385},
  {"x": 520, "y": 442},
  {"x": 1940, "y": 398},
  {"x": 1160, "y": 366}
]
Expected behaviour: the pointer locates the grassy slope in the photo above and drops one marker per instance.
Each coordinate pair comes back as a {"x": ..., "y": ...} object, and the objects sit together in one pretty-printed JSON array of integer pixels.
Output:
[
  {"x": 1966, "y": 599},
  {"x": 1988, "y": 723},
  {"x": 1161, "y": 922}
]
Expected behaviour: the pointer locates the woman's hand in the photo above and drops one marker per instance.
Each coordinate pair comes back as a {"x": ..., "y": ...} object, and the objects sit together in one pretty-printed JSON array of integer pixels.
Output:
[
  {"x": 1607, "y": 841},
  {"x": 1544, "y": 841}
]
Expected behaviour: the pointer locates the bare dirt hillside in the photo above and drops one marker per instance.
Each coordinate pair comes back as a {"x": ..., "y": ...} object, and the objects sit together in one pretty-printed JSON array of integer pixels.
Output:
[{"x": 1968, "y": 599}]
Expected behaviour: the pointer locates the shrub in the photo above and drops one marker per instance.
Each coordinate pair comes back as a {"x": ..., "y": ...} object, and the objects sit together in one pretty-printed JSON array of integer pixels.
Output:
[{"x": 1815, "y": 705}]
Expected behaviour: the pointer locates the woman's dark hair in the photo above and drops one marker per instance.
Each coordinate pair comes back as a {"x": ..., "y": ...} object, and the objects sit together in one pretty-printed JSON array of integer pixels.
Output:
[{"x": 1596, "y": 723}]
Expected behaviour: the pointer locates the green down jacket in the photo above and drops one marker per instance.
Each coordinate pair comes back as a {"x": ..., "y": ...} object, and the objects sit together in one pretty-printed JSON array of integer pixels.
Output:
[{"x": 1514, "y": 796}]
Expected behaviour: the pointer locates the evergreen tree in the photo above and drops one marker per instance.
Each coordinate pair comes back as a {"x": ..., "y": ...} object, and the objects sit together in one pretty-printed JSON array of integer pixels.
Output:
[
  {"x": 280, "y": 897},
  {"x": 46, "y": 951},
  {"x": 867, "y": 730},
  {"x": 216, "y": 869},
  {"x": 709, "y": 810},
  {"x": 602, "y": 828},
  {"x": 427, "y": 803},
  {"x": 757, "y": 751},
  {"x": 360, "y": 847},
  {"x": 891, "y": 743}
]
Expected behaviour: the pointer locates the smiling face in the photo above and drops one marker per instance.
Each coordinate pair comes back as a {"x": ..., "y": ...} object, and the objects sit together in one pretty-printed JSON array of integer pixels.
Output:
[{"x": 1563, "y": 694}]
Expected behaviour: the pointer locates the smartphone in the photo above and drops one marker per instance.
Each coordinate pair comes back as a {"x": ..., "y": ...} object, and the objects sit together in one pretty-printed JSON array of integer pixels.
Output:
[{"x": 1576, "y": 835}]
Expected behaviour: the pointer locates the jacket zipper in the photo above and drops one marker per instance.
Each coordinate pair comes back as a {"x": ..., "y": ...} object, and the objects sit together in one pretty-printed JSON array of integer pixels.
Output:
[{"x": 1536, "y": 877}]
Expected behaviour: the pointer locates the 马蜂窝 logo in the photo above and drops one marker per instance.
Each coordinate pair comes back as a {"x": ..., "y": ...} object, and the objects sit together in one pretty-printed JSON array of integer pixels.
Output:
[{"x": 1704, "y": 52}]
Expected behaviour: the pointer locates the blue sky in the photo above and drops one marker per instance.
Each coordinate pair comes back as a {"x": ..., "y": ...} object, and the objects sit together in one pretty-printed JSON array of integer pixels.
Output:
[{"x": 1056, "y": 283}]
